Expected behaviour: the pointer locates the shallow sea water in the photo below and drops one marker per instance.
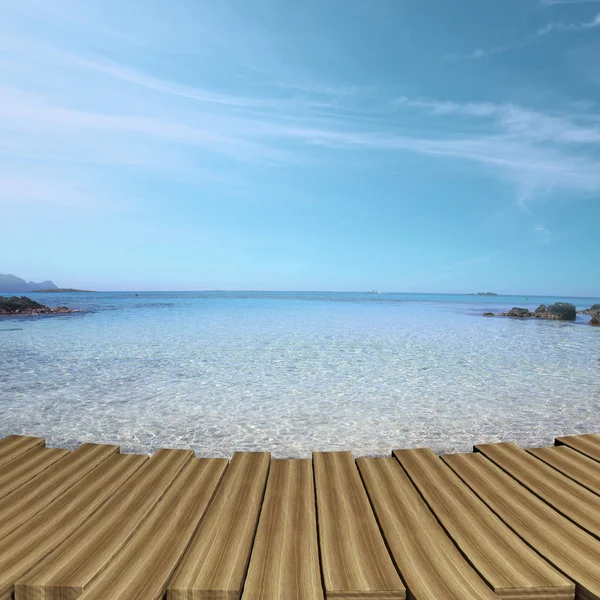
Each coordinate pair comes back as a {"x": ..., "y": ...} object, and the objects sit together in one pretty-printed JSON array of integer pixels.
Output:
[{"x": 296, "y": 372}]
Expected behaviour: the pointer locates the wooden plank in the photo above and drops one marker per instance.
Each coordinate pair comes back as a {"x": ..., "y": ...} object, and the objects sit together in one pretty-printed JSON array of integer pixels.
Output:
[
  {"x": 68, "y": 571},
  {"x": 214, "y": 566},
  {"x": 354, "y": 559},
  {"x": 18, "y": 471},
  {"x": 428, "y": 561},
  {"x": 565, "y": 545},
  {"x": 508, "y": 565},
  {"x": 561, "y": 493},
  {"x": 285, "y": 557},
  {"x": 13, "y": 445},
  {"x": 588, "y": 444},
  {"x": 142, "y": 570},
  {"x": 573, "y": 464},
  {"x": 25, "y": 502},
  {"x": 30, "y": 543}
]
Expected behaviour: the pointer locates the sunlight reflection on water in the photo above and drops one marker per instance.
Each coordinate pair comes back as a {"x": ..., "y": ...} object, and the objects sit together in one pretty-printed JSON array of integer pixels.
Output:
[{"x": 221, "y": 374}]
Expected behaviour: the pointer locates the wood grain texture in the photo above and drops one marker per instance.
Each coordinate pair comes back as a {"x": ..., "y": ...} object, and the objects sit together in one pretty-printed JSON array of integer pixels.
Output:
[
  {"x": 573, "y": 464},
  {"x": 19, "y": 470},
  {"x": 565, "y": 545},
  {"x": 29, "y": 499},
  {"x": 354, "y": 559},
  {"x": 285, "y": 557},
  {"x": 588, "y": 444},
  {"x": 509, "y": 566},
  {"x": 214, "y": 565},
  {"x": 561, "y": 493},
  {"x": 143, "y": 569},
  {"x": 13, "y": 445},
  {"x": 67, "y": 572},
  {"x": 27, "y": 545},
  {"x": 428, "y": 561}
]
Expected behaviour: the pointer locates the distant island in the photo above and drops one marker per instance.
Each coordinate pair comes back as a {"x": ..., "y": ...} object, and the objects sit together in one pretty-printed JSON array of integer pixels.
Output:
[
  {"x": 11, "y": 283},
  {"x": 483, "y": 294},
  {"x": 63, "y": 290}
]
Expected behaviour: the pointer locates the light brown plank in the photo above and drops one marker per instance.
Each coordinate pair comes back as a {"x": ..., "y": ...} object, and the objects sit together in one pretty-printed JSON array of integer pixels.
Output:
[
  {"x": 18, "y": 471},
  {"x": 214, "y": 566},
  {"x": 29, "y": 499},
  {"x": 142, "y": 570},
  {"x": 428, "y": 561},
  {"x": 573, "y": 464},
  {"x": 354, "y": 560},
  {"x": 588, "y": 444},
  {"x": 13, "y": 445},
  {"x": 27, "y": 545},
  {"x": 285, "y": 557},
  {"x": 67, "y": 572},
  {"x": 508, "y": 565},
  {"x": 561, "y": 493},
  {"x": 565, "y": 545}
]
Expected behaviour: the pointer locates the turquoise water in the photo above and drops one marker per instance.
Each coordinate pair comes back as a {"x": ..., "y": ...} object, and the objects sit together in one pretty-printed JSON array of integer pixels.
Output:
[{"x": 296, "y": 372}]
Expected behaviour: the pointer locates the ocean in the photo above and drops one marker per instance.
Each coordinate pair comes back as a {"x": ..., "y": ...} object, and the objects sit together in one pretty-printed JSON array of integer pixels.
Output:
[{"x": 294, "y": 372}]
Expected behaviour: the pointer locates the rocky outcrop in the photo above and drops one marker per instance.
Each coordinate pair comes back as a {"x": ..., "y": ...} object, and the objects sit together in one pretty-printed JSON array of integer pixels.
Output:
[
  {"x": 561, "y": 311},
  {"x": 595, "y": 314},
  {"x": 589, "y": 311},
  {"x": 15, "y": 306}
]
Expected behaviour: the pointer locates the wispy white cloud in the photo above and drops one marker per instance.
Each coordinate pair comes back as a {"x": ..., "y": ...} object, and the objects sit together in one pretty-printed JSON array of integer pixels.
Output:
[
  {"x": 131, "y": 115},
  {"x": 555, "y": 2},
  {"x": 530, "y": 39},
  {"x": 558, "y": 27},
  {"x": 542, "y": 233}
]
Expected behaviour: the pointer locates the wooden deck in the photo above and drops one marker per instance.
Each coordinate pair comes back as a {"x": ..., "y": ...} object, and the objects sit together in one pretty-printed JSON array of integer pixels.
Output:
[{"x": 501, "y": 522}]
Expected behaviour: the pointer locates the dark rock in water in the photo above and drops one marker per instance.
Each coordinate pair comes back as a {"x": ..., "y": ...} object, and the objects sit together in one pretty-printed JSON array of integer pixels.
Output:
[
  {"x": 520, "y": 313},
  {"x": 563, "y": 311},
  {"x": 588, "y": 311},
  {"x": 26, "y": 306},
  {"x": 595, "y": 320}
]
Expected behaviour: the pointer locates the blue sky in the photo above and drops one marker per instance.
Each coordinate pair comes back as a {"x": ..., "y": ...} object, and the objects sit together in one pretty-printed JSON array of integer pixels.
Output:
[{"x": 401, "y": 145}]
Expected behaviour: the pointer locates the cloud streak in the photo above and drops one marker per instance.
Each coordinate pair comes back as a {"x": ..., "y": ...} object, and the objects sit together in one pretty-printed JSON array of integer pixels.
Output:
[
  {"x": 123, "y": 116},
  {"x": 547, "y": 29},
  {"x": 558, "y": 27}
]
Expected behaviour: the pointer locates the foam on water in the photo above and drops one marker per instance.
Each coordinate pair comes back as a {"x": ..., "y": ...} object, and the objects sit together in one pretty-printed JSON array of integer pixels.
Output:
[{"x": 292, "y": 373}]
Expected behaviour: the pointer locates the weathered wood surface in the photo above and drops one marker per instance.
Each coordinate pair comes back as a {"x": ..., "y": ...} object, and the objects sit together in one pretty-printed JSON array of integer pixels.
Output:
[
  {"x": 565, "y": 545},
  {"x": 25, "y": 502},
  {"x": 561, "y": 493},
  {"x": 37, "y": 537},
  {"x": 68, "y": 571},
  {"x": 588, "y": 444},
  {"x": 354, "y": 559},
  {"x": 573, "y": 464},
  {"x": 429, "y": 563},
  {"x": 143, "y": 569},
  {"x": 498, "y": 523},
  {"x": 20, "y": 469},
  {"x": 13, "y": 445},
  {"x": 509, "y": 566},
  {"x": 216, "y": 561},
  {"x": 285, "y": 557}
]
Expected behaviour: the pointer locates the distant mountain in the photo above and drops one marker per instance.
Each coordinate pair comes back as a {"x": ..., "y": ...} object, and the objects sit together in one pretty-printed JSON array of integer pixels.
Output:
[{"x": 10, "y": 283}]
